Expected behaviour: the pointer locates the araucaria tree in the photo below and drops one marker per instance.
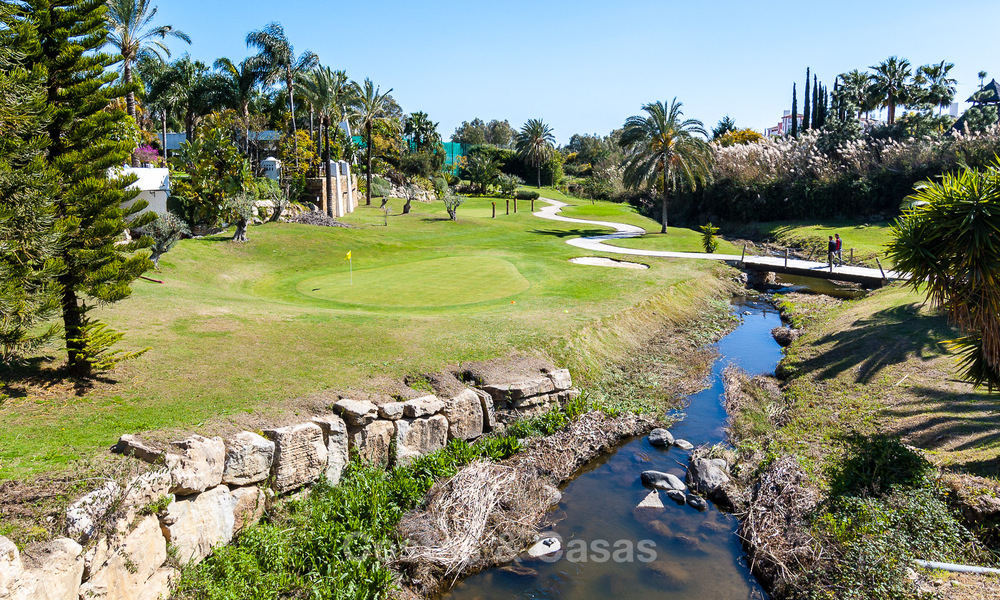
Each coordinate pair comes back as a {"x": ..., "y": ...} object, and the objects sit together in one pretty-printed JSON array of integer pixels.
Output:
[
  {"x": 947, "y": 244},
  {"x": 535, "y": 145},
  {"x": 370, "y": 107},
  {"x": 664, "y": 148},
  {"x": 62, "y": 39},
  {"x": 29, "y": 264}
]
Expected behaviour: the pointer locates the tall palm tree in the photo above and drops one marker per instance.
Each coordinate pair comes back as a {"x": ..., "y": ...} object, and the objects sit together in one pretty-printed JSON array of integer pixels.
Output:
[
  {"x": 370, "y": 107},
  {"x": 535, "y": 144},
  {"x": 664, "y": 145},
  {"x": 890, "y": 82},
  {"x": 329, "y": 94},
  {"x": 240, "y": 84},
  {"x": 133, "y": 36},
  {"x": 277, "y": 58},
  {"x": 940, "y": 88}
]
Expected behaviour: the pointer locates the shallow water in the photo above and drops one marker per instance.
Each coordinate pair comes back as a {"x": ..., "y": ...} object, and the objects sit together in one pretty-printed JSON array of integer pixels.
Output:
[
  {"x": 683, "y": 553},
  {"x": 817, "y": 285}
]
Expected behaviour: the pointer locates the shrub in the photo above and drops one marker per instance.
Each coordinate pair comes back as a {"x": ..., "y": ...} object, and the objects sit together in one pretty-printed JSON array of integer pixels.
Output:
[
  {"x": 709, "y": 239},
  {"x": 527, "y": 195},
  {"x": 380, "y": 187},
  {"x": 165, "y": 231}
]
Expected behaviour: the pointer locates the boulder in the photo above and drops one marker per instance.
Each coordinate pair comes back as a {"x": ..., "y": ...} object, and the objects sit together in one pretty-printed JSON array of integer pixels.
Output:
[
  {"x": 335, "y": 438},
  {"x": 662, "y": 481},
  {"x": 508, "y": 392},
  {"x": 11, "y": 567},
  {"x": 119, "y": 569},
  {"x": 391, "y": 410},
  {"x": 250, "y": 502},
  {"x": 552, "y": 495},
  {"x": 721, "y": 463},
  {"x": 248, "y": 459},
  {"x": 196, "y": 464},
  {"x": 568, "y": 395},
  {"x": 684, "y": 444},
  {"x": 196, "y": 524},
  {"x": 661, "y": 437},
  {"x": 130, "y": 445},
  {"x": 372, "y": 442},
  {"x": 677, "y": 496},
  {"x": 419, "y": 436},
  {"x": 489, "y": 411},
  {"x": 84, "y": 515},
  {"x": 785, "y": 335},
  {"x": 52, "y": 571},
  {"x": 300, "y": 455},
  {"x": 706, "y": 477},
  {"x": 548, "y": 546},
  {"x": 465, "y": 416},
  {"x": 649, "y": 508},
  {"x": 423, "y": 406},
  {"x": 697, "y": 502},
  {"x": 356, "y": 412},
  {"x": 160, "y": 585},
  {"x": 529, "y": 402},
  {"x": 561, "y": 379}
]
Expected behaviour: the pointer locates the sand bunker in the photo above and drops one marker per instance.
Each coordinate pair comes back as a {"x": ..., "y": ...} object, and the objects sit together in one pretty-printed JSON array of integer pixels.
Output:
[{"x": 606, "y": 262}]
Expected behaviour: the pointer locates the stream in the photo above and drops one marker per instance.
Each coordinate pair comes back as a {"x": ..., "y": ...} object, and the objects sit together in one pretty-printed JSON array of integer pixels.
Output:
[{"x": 682, "y": 554}]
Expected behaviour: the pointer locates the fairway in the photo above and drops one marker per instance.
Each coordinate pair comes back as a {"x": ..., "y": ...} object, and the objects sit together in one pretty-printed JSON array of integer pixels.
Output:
[{"x": 450, "y": 281}]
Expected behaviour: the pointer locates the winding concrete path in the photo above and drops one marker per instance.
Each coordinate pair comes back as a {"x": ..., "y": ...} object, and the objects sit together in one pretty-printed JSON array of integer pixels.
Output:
[{"x": 597, "y": 243}]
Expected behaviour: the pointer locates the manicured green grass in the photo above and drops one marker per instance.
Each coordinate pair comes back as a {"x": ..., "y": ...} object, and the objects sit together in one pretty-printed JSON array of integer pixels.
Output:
[{"x": 240, "y": 335}]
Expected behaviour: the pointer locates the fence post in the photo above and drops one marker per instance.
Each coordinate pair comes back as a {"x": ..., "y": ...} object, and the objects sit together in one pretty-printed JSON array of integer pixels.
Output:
[
  {"x": 494, "y": 209},
  {"x": 879, "y": 263},
  {"x": 786, "y": 258},
  {"x": 532, "y": 205},
  {"x": 508, "y": 207},
  {"x": 744, "y": 255},
  {"x": 515, "y": 205},
  {"x": 852, "y": 256}
]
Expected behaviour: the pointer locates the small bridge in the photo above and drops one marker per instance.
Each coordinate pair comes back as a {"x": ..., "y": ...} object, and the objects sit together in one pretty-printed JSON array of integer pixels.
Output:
[{"x": 791, "y": 266}]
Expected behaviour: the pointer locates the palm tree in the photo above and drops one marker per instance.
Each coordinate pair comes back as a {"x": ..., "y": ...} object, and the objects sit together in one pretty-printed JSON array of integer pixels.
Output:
[
  {"x": 240, "y": 84},
  {"x": 535, "y": 144},
  {"x": 982, "y": 77},
  {"x": 662, "y": 145},
  {"x": 945, "y": 242},
  {"x": 133, "y": 37},
  {"x": 370, "y": 107},
  {"x": 856, "y": 88},
  {"x": 940, "y": 87},
  {"x": 329, "y": 94},
  {"x": 890, "y": 82},
  {"x": 423, "y": 130},
  {"x": 277, "y": 59}
]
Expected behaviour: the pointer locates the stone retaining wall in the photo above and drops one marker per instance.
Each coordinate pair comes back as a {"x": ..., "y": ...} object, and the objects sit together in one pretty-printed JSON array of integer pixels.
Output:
[{"x": 203, "y": 491}]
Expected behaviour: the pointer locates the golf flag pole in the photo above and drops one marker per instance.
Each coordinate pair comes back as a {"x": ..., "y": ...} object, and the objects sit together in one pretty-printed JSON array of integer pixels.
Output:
[{"x": 351, "y": 263}]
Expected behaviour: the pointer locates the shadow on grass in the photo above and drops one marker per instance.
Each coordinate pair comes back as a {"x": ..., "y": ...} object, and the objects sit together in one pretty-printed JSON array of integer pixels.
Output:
[
  {"x": 886, "y": 338},
  {"x": 565, "y": 233},
  {"x": 40, "y": 373}
]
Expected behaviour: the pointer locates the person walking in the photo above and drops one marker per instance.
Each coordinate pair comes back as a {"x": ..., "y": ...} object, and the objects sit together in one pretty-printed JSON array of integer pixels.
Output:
[
  {"x": 840, "y": 248},
  {"x": 831, "y": 250}
]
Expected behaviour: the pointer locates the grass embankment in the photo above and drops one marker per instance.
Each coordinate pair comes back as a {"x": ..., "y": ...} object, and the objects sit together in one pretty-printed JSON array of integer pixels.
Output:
[
  {"x": 241, "y": 335},
  {"x": 867, "y": 377},
  {"x": 866, "y": 239}
]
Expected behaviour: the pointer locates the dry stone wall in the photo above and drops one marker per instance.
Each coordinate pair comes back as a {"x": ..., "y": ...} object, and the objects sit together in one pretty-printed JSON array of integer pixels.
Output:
[{"x": 203, "y": 491}]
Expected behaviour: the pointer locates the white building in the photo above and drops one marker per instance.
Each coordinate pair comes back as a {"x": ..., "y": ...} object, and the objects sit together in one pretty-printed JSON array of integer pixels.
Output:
[{"x": 153, "y": 186}]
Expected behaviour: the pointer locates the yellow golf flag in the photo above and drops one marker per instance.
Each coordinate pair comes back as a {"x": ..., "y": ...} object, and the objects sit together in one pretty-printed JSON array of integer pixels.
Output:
[{"x": 348, "y": 255}]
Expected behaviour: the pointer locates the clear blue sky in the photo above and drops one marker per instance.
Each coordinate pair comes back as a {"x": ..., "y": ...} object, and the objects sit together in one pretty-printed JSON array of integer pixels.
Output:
[{"x": 585, "y": 66}]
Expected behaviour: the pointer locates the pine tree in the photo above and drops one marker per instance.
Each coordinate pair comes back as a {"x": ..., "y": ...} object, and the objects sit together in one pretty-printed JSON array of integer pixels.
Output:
[
  {"x": 806, "y": 110},
  {"x": 87, "y": 138},
  {"x": 795, "y": 113},
  {"x": 29, "y": 294}
]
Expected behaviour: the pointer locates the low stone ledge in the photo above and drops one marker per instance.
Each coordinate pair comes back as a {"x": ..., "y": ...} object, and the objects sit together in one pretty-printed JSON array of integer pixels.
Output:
[
  {"x": 120, "y": 569},
  {"x": 423, "y": 406},
  {"x": 561, "y": 379},
  {"x": 391, "y": 410},
  {"x": 489, "y": 410},
  {"x": 198, "y": 523},
  {"x": 373, "y": 441},
  {"x": 248, "y": 459},
  {"x": 415, "y": 437},
  {"x": 356, "y": 412},
  {"x": 130, "y": 445},
  {"x": 299, "y": 455},
  {"x": 335, "y": 438},
  {"x": 196, "y": 464},
  {"x": 508, "y": 392},
  {"x": 249, "y": 507},
  {"x": 465, "y": 416}
]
